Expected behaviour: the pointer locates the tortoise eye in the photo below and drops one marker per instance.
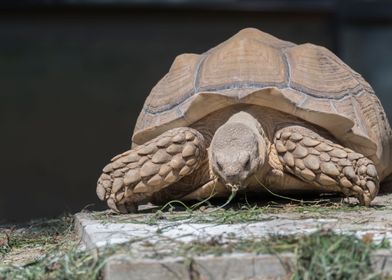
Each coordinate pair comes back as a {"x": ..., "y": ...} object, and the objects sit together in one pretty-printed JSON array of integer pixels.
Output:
[
  {"x": 247, "y": 164},
  {"x": 219, "y": 165}
]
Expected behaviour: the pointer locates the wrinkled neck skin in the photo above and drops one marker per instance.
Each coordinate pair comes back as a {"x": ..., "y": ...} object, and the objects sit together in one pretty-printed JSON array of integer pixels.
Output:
[{"x": 238, "y": 150}]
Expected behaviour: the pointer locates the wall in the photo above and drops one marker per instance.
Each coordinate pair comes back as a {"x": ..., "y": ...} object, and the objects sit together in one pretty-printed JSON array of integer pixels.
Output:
[{"x": 72, "y": 83}]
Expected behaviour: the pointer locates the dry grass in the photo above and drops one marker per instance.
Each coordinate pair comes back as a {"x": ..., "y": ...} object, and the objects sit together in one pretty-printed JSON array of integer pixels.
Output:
[{"x": 49, "y": 249}]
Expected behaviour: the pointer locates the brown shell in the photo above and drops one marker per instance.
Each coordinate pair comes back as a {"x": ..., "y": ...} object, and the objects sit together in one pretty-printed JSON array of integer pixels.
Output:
[{"x": 253, "y": 67}]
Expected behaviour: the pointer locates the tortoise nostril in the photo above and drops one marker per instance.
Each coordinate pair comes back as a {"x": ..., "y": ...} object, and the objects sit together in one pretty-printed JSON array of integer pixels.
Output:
[{"x": 232, "y": 178}]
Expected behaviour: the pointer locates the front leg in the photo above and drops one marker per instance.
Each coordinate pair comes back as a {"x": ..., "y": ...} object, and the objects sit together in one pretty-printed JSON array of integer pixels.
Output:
[
  {"x": 319, "y": 161},
  {"x": 135, "y": 175}
]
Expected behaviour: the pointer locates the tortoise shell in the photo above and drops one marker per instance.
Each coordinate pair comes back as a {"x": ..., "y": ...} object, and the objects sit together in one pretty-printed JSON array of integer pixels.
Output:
[{"x": 253, "y": 67}]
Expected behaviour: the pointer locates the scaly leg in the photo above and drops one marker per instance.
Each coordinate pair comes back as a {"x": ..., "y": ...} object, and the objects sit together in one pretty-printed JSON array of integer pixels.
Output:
[
  {"x": 135, "y": 175},
  {"x": 320, "y": 162}
]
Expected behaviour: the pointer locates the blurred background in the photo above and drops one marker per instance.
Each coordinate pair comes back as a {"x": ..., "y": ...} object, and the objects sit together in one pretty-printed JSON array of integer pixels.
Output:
[{"x": 74, "y": 75}]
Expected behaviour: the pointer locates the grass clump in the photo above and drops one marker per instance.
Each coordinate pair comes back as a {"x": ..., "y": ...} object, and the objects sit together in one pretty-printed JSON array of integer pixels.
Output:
[
  {"x": 40, "y": 232},
  {"x": 237, "y": 212},
  {"x": 71, "y": 265},
  {"x": 44, "y": 249},
  {"x": 329, "y": 256},
  {"x": 55, "y": 252},
  {"x": 218, "y": 247}
]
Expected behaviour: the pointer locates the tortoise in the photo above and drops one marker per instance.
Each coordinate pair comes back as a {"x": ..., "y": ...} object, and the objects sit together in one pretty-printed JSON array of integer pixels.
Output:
[{"x": 253, "y": 111}]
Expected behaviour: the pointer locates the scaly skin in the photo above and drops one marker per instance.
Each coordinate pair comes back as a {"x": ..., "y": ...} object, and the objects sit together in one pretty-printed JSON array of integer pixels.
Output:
[
  {"x": 284, "y": 154},
  {"x": 320, "y": 162},
  {"x": 135, "y": 175}
]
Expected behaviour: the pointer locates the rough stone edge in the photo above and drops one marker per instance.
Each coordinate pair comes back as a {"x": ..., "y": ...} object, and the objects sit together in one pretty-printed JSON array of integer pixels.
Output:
[
  {"x": 232, "y": 266},
  {"x": 381, "y": 259},
  {"x": 81, "y": 220}
]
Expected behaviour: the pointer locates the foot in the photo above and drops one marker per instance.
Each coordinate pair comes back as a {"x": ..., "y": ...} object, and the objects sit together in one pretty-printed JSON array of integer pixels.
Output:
[
  {"x": 320, "y": 162},
  {"x": 135, "y": 175}
]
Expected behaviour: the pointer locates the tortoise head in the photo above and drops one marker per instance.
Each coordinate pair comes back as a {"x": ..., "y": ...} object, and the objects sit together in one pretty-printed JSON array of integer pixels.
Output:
[{"x": 237, "y": 150}]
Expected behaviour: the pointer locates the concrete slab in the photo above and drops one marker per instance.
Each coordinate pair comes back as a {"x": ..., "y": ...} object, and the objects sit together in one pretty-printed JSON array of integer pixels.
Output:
[
  {"x": 226, "y": 267},
  {"x": 98, "y": 233},
  {"x": 234, "y": 266},
  {"x": 148, "y": 239}
]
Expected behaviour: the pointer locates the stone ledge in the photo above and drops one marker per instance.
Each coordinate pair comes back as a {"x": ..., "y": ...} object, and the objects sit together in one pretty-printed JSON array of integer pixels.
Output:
[
  {"x": 97, "y": 233},
  {"x": 234, "y": 266},
  {"x": 140, "y": 260}
]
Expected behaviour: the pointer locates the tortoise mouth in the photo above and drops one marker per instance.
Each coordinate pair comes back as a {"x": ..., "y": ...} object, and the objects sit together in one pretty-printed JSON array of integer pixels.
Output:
[{"x": 235, "y": 187}]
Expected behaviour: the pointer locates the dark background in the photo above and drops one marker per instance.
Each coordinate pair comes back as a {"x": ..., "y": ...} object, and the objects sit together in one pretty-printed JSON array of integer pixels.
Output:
[{"x": 74, "y": 75}]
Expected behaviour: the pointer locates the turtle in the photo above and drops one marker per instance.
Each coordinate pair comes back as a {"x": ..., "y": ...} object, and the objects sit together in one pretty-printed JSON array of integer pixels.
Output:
[{"x": 254, "y": 113}]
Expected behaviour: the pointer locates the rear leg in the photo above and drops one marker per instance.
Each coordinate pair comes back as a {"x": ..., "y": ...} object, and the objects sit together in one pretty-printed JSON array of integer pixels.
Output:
[
  {"x": 319, "y": 161},
  {"x": 134, "y": 176}
]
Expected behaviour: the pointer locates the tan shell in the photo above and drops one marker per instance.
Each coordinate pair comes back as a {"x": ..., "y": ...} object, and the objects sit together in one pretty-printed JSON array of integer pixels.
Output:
[{"x": 253, "y": 67}]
